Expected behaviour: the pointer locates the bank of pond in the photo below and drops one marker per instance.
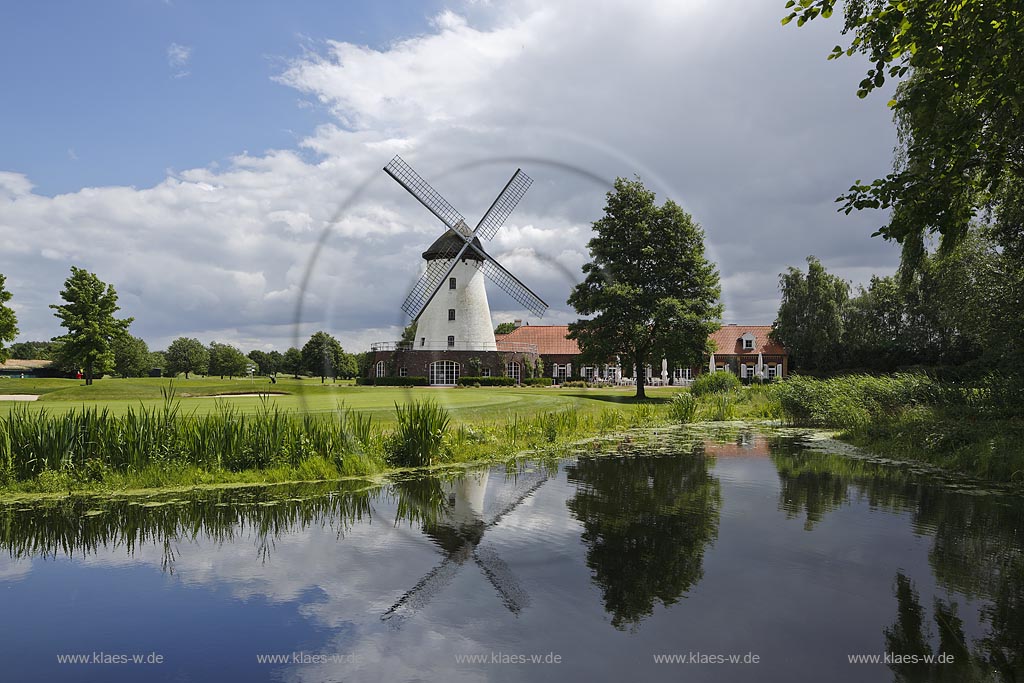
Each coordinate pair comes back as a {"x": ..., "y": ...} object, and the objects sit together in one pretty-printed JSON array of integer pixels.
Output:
[{"x": 973, "y": 427}]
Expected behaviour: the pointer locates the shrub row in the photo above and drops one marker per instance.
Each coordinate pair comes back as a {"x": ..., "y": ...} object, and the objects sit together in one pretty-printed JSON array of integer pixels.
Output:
[
  {"x": 393, "y": 381},
  {"x": 536, "y": 382},
  {"x": 471, "y": 381},
  {"x": 715, "y": 383}
]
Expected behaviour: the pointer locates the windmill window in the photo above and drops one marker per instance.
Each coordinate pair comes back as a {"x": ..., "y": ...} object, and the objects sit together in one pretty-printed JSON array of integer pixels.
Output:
[
  {"x": 451, "y": 283},
  {"x": 423, "y": 341},
  {"x": 451, "y": 341},
  {"x": 451, "y": 314}
]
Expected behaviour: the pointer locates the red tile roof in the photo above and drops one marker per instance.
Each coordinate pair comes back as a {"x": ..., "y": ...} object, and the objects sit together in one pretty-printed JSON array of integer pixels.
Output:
[
  {"x": 727, "y": 340},
  {"x": 550, "y": 339}
]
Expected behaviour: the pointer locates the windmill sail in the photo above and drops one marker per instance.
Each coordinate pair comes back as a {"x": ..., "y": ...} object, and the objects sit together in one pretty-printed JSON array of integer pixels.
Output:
[
  {"x": 510, "y": 284},
  {"x": 503, "y": 206},
  {"x": 428, "y": 196}
]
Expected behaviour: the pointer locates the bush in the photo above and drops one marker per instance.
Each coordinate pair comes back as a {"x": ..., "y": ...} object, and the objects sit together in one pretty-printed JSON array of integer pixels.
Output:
[
  {"x": 536, "y": 382},
  {"x": 393, "y": 381},
  {"x": 470, "y": 381},
  {"x": 575, "y": 384},
  {"x": 714, "y": 383},
  {"x": 419, "y": 439},
  {"x": 683, "y": 407}
]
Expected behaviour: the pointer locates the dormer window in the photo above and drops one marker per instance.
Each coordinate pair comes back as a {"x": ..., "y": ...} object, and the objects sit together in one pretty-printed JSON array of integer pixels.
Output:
[{"x": 747, "y": 341}]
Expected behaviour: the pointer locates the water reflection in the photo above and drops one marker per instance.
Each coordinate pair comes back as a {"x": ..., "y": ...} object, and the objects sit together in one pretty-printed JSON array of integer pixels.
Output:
[
  {"x": 452, "y": 514},
  {"x": 976, "y": 551},
  {"x": 647, "y": 523}
]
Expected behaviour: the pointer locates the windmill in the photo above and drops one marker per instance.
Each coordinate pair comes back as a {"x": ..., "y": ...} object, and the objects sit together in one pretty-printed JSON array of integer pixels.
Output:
[
  {"x": 449, "y": 301},
  {"x": 458, "y": 530}
]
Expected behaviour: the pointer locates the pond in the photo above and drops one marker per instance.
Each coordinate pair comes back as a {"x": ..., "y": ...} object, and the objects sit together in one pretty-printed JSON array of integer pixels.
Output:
[{"x": 736, "y": 554}]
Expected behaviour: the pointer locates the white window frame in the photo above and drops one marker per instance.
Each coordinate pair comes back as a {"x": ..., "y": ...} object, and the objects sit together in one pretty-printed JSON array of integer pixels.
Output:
[
  {"x": 514, "y": 370},
  {"x": 485, "y": 372},
  {"x": 403, "y": 372},
  {"x": 444, "y": 373},
  {"x": 380, "y": 369}
]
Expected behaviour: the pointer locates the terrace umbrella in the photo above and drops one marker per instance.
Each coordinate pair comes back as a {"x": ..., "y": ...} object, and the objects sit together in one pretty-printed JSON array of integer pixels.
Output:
[
  {"x": 760, "y": 366},
  {"x": 711, "y": 363}
]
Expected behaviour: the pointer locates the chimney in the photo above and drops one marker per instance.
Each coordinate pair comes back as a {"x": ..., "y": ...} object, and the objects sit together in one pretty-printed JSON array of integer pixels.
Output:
[{"x": 517, "y": 322}]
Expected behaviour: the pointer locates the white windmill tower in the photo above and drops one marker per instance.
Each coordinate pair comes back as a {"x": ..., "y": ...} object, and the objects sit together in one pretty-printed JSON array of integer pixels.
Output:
[{"x": 449, "y": 301}]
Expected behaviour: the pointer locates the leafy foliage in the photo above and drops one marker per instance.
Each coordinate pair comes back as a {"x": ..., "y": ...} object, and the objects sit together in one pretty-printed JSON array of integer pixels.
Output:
[
  {"x": 8, "y": 320},
  {"x": 505, "y": 328},
  {"x": 959, "y": 107},
  {"x": 227, "y": 360},
  {"x": 323, "y": 356},
  {"x": 419, "y": 439},
  {"x": 188, "y": 356},
  {"x": 88, "y": 316},
  {"x": 649, "y": 287},
  {"x": 131, "y": 356},
  {"x": 810, "y": 319},
  {"x": 715, "y": 383}
]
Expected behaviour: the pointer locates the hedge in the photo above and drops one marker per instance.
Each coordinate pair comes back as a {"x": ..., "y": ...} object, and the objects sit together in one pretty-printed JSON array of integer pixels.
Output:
[
  {"x": 469, "y": 381},
  {"x": 536, "y": 382},
  {"x": 393, "y": 381}
]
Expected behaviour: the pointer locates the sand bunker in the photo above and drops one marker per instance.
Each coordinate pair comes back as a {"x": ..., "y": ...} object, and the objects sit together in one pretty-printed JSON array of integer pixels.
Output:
[{"x": 18, "y": 397}]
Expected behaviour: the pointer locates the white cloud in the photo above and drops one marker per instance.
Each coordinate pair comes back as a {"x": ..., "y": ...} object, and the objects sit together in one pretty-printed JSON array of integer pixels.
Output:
[
  {"x": 178, "y": 57},
  {"x": 742, "y": 122}
]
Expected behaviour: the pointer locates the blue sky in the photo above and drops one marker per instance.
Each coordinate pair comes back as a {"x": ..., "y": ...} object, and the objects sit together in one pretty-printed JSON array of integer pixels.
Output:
[
  {"x": 92, "y": 98},
  {"x": 192, "y": 154}
]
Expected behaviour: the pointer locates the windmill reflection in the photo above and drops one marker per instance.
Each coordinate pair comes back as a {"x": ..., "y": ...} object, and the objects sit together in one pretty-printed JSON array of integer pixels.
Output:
[{"x": 456, "y": 515}]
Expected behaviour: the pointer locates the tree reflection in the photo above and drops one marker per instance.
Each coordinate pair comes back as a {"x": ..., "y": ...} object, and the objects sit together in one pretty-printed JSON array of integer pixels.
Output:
[
  {"x": 647, "y": 522},
  {"x": 86, "y": 525},
  {"x": 977, "y": 551}
]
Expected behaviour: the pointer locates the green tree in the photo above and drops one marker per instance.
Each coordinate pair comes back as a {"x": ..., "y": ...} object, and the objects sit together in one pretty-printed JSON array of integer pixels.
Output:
[
  {"x": 323, "y": 356},
  {"x": 275, "y": 361},
  {"x": 158, "y": 360},
  {"x": 187, "y": 355},
  {"x": 409, "y": 333},
  {"x": 88, "y": 316},
  {"x": 505, "y": 328},
  {"x": 264, "y": 362},
  {"x": 291, "y": 361},
  {"x": 349, "y": 366},
  {"x": 32, "y": 350},
  {"x": 131, "y": 356},
  {"x": 810, "y": 319},
  {"x": 649, "y": 287},
  {"x": 227, "y": 360},
  {"x": 958, "y": 107},
  {"x": 8, "y": 320}
]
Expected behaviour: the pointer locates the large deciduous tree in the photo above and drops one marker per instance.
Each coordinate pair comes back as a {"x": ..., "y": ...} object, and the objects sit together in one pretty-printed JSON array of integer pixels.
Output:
[
  {"x": 323, "y": 356},
  {"x": 8, "y": 320},
  {"x": 810, "y": 320},
  {"x": 88, "y": 316},
  {"x": 958, "y": 107},
  {"x": 649, "y": 288},
  {"x": 187, "y": 355},
  {"x": 227, "y": 360},
  {"x": 291, "y": 361},
  {"x": 131, "y": 356}
]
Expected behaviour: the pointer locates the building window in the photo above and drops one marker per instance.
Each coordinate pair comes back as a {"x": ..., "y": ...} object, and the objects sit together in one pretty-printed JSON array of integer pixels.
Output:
[
  {"x": 748, "y": 344},
  {"x": 444, "y": 372},
  {"x": 403, "y": 372},
  {"x": 380, "y": 370},
  {"x": 588, "y": 373},
  {"x": 514, "y": 370},
  {"x": 451, "y": 283},
  {"x": 771, "y": 372},
  {"x": 451, "y": 314},
  {"x": 486, "y": 372},
  {"x": 451, "y": 341}
]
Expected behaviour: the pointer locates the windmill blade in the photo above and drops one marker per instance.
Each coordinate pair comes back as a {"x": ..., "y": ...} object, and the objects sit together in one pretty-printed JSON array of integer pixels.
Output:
[
  {"x": 497, "y": 572},
  {"x": 417, "y": 597},
  {"x": 503, "y": 205},
  {"x": 430, "y": 282},
  {"x": 504, "y": 507},
  {"x": 428, "y": 196},
  {"x": 509, "y": 283}
]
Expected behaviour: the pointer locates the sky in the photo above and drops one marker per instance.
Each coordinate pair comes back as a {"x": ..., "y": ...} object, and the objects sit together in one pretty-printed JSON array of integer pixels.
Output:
[{"x": 220, "y": 163}]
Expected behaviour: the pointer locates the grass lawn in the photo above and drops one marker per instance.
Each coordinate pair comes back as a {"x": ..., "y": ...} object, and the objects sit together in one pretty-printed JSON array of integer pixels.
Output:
[{"x": 468, "y": 406}]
